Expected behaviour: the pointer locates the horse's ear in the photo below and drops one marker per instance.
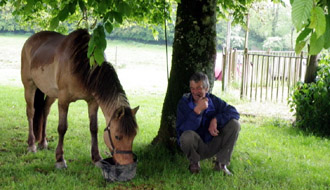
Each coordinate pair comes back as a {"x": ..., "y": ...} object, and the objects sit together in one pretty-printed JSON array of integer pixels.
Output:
[
  {"x": 135, "y": 110},
  {"x": 120, "y": 112}
]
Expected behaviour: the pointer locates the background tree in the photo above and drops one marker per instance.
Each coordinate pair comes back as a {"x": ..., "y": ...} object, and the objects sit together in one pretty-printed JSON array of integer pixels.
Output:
[{"x": 270, "y": 27}]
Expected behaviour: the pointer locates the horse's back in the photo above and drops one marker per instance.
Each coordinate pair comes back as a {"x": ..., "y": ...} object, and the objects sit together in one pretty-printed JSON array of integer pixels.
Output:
[
  {"x": 41, "y": 47},
  {"x": 56, "y": 63},
  {"x": 37, "y": 61}
]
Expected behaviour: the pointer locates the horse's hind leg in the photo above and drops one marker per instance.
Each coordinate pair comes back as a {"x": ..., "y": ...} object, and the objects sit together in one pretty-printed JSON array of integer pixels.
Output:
[
  {"x": 43, "y": 142},
  {"x": 62, "y": 128},
  {"x": 92, "y": 112},
  {"x": 29, "y": 93}
]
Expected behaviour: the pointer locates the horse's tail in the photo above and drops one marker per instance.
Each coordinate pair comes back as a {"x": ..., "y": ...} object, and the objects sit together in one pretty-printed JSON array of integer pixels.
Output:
[{"x": 38, "y": 119}]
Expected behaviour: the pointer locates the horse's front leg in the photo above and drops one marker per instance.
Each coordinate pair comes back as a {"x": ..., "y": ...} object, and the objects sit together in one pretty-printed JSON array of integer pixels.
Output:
[
  {"x": 92, "y": 112},
  {"x": 62, "y": 127},
  {"x": 43, "y": 144}
]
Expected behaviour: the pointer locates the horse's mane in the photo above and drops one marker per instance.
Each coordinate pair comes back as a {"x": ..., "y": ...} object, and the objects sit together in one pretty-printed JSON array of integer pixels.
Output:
[
  {"x": 101, "y": 80},
  {"x": 127, "y": 123}
]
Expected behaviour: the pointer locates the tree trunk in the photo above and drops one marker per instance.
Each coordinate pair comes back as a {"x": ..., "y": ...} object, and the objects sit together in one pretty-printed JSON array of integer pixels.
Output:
[
  {"x": 275, "y": 19},
  {"x": 311, "y": 69},
  {"x": 194, "y": 49}
]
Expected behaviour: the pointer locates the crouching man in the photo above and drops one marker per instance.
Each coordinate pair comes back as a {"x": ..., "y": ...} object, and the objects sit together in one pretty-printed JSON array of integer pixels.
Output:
[{"x": 206, "y": 126}]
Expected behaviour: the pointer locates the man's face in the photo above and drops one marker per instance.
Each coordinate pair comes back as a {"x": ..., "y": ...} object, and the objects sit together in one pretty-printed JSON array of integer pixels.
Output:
[{"x": 197, "y": 90}]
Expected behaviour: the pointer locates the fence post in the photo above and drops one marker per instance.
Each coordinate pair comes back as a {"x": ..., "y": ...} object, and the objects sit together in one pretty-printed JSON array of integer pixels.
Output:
[
  {"x": 252, "y": 70},
  {"x": 245, "y": 62},
  {"x": 230, "y": 65},
  {"x": 300, "y": 65},
  {"x": 224, "y": 68},
  {"x": 234, "y": 65}
]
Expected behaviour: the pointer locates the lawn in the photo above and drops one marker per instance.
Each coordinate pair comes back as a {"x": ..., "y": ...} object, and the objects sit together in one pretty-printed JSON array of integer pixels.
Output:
[{"x": 270, "y": 153}]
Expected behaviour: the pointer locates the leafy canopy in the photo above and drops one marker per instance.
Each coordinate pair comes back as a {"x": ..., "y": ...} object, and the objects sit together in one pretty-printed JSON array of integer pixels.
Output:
[
  {"x": 312, "y": 20},
  {"x": 102, "y": 16}
]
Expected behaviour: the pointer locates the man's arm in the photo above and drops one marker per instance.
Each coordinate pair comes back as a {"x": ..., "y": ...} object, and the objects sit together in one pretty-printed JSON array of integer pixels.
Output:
[
  {"x": 213, "y": 128},
  {"x": 225, "y": 112},
  {"x": 187, "y": 119}
]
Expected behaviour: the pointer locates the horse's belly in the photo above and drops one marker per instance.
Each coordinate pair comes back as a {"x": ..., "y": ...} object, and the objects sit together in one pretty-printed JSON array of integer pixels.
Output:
[{"x": 45, "y": 80}]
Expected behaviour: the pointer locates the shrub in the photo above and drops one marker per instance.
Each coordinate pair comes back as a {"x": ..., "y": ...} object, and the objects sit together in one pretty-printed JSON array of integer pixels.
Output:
[{"x": 311, "y": 102}]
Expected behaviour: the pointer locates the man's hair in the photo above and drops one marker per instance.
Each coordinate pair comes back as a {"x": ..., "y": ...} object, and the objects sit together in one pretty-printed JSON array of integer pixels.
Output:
[{"x": 199, "y": 76}]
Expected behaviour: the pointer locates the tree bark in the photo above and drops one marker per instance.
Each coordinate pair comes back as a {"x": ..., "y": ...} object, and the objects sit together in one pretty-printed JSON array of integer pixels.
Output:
[
  {"x": 311, "y": 69},
  {"x": 194, "y": 49}
]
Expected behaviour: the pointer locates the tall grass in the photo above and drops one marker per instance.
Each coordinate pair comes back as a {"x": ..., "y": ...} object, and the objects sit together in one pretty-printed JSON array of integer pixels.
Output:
[{"x": 269, "y": 154}]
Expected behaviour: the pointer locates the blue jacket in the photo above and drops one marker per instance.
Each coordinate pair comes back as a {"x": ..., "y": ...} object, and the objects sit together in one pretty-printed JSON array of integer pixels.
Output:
[{"x": 187, "y": 119}]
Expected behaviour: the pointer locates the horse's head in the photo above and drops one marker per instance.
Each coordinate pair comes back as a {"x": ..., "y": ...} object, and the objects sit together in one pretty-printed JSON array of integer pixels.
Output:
[{"x": 120, "y": 133}]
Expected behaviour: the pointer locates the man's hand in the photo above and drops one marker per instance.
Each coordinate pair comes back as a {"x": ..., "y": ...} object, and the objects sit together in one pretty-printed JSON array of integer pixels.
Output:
[
  {"x": 202, "y": 105},
  {"x": 213, "y": 127}
]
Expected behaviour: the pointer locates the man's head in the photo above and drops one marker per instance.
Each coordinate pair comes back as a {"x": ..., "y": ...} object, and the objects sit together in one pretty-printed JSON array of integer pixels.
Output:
[{"x": 199, "y": 85}]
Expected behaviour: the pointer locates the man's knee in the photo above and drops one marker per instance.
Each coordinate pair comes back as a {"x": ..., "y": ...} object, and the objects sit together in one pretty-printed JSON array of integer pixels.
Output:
[
  {"x": 187, "y": 137},
  {"x": 233, "y": 125},
  {"x": 236, "y": 125}
]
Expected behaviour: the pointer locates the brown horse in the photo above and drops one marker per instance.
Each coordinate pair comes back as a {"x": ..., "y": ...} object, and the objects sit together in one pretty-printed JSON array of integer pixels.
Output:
[{"x": 57, "y": 66}]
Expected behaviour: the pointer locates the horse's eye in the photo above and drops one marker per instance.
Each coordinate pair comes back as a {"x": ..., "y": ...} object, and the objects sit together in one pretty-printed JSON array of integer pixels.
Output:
[{"x": 118, "y": 138}]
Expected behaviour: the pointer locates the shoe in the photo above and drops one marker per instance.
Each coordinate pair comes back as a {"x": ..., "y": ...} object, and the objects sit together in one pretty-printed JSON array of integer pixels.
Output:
[
  {"x": 222, "y": 167},
  {"x": 194, "y": 167}
]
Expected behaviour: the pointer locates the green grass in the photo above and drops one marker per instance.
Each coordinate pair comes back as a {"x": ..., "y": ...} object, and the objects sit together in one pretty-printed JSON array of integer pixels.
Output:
[{"x": 269, "y": 154}]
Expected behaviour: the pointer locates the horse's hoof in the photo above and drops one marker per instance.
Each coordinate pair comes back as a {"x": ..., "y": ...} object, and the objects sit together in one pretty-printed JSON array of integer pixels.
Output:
[
  {"x": 43, "y": 145},
  {"x": 32, "y": 149},
  {"x": 98, "y": 164},
  {"x": 61, "y": 165}
]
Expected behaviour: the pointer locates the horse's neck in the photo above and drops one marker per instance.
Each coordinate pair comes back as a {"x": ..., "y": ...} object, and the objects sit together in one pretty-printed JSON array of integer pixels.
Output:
[{"x": 109, "y": 108}]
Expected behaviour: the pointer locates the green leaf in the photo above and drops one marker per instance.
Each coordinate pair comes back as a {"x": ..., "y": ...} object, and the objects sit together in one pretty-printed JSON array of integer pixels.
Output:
[
  {"x": 54, "y": 23},
  {"x": 91, "y": 46},
  {"x": 301, "y": 11},
  {"x": 92, "y": 61},
  {"x": 82, "y": 5},
  {"x": 302, "y": 36},
  {"x": 72, "y": 7},
  {"x": 99, "y": 55},
  {"x": 90, "y": 3},
  {"x": 106, "y": 17},
  {"x": 102, "y": 7},
  {"x": 109, "y": 16},
  {"x": 3, "y": 2},
  {"x": 99, "y": 37},
  {"x": 327, "y": 33},
  {"x": 299, "y": 46},
  {"x": 118, "y": 17},
  {"x": 316, "y": 44},
  {"x": 108, "y": 27},
  {"x": 318, "y": 21},
  {"x": 28, "y": 7},
  {"x": 64, "y": 13},
  {"x": 155, "y": 33},
  {"x": 124, "y": 8}
]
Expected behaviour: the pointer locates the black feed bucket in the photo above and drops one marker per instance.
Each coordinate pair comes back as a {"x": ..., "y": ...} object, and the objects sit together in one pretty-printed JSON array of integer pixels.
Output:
[{"x": 113, "y": 172}]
